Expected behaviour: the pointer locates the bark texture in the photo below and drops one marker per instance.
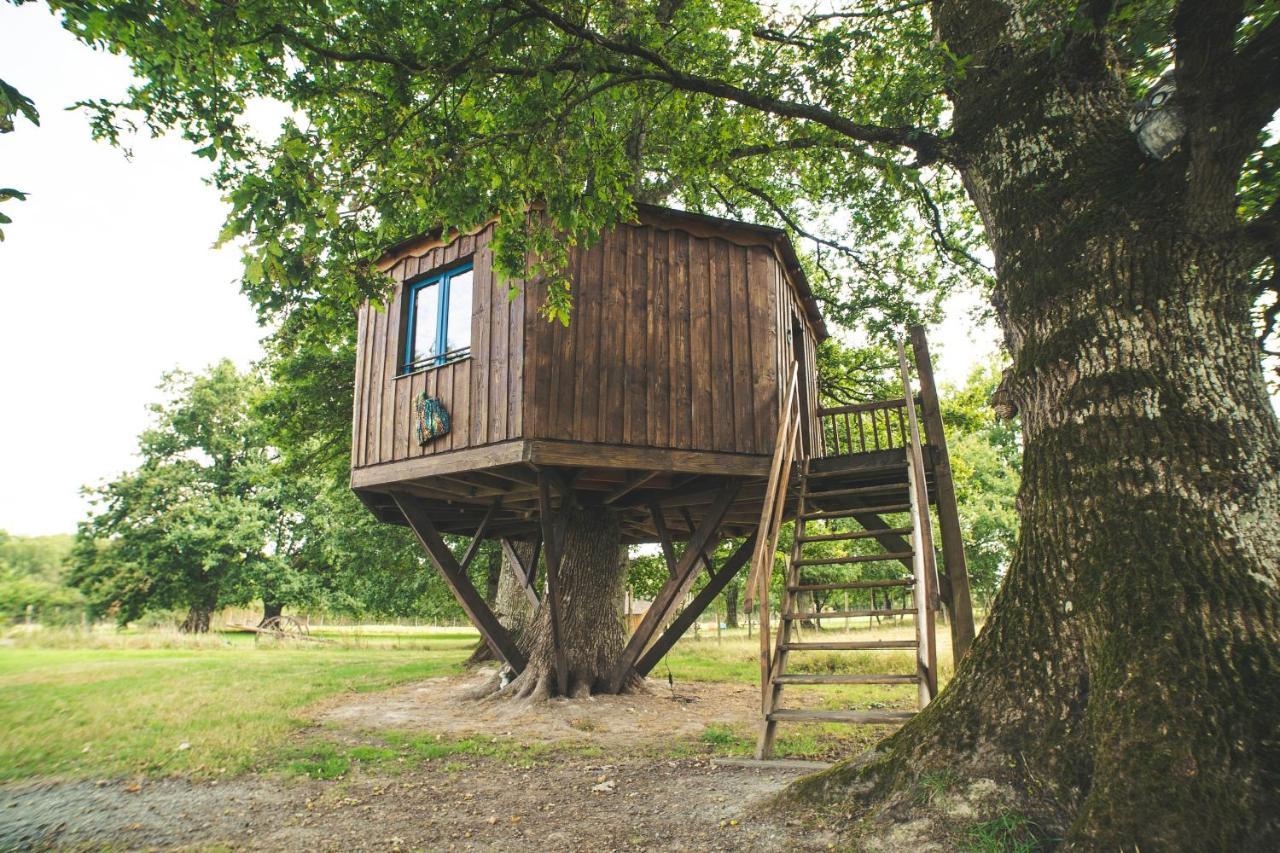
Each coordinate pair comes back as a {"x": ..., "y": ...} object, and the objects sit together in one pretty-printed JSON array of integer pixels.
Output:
[
  {"x": 731, "y": 605},
  {"x": 591, "y": 581},
  {"x": 1127, "y": 682}
]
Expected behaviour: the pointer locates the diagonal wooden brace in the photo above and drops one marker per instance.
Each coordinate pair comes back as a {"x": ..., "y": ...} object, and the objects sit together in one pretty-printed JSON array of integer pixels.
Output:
[
  {"x": 675, "y": 587},
  {"x": 495, "y": 636},
  {"x": 719, "y": 580}
]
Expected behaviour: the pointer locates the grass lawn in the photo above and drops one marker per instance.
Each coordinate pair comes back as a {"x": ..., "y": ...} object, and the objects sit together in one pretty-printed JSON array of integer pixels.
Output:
[
  {"x": 117, "y": 704},
  {"x": 69, "y": 713}
]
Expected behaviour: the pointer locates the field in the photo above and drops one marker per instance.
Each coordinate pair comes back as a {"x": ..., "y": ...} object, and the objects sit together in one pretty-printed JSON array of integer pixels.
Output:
[{"x": 109, "y": 739}]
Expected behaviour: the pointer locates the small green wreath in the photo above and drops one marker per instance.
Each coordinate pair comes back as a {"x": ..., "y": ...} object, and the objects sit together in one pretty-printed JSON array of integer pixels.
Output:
[{"x": 433, "y": 418}]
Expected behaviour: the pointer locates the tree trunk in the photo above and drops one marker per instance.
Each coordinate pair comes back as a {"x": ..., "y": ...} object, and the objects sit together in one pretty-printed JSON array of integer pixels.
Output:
[
  {"x": 1126, "y": 687},
  {"x": 591, "y": 580},
  {"x": 270, "y": 610},
  {"x": 197, "y": 621},
  {"x": 731, "y": 605},
  {"x": 804, "y": 604},
  {"x": 510, "y": 604}
]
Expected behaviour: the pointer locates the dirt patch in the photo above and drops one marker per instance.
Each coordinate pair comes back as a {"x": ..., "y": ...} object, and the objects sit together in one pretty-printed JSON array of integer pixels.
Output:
[
  {"x": 617, "y": 724},
  {"x": 609, "y": 783},
  {"x": 645, "y": 805}
]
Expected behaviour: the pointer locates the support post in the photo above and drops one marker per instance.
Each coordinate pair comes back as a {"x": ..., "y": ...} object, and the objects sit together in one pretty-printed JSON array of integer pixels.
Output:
[
  {"x": 495, "y": 636},
  {"x": 553, "y": 543},
  {"x": 675, "y": 587},
  {"x": 719, "y": 580},
  {"x": 706, "y": 560},
  {"x": 959, "y": 602}
]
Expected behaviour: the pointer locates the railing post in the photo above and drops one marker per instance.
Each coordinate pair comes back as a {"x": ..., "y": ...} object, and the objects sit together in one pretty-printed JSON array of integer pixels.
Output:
[
  {"x": 959, "y": 601},
  {"x": 925, "y": 569}
]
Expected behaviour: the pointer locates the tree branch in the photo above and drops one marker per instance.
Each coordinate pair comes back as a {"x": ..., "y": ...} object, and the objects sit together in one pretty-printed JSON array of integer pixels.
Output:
[{"x": 928, "y": 146}]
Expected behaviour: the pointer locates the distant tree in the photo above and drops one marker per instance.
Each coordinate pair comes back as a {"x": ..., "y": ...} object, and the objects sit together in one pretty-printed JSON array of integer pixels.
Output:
[
  {"x": 32, "y": 579},
  {"x": 200, "y": 523}
]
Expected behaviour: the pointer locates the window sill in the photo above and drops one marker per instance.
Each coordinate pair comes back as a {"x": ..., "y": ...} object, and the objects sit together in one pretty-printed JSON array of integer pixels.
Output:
[{"x": 419, "y": 370}]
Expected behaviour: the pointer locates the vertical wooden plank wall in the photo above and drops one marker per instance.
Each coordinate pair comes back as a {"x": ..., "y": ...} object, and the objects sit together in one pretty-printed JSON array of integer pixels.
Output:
[
  {"x": 674, "y": 344},
  {"x": 678, "y": 341},
  {"x": 482, "y": 393}
]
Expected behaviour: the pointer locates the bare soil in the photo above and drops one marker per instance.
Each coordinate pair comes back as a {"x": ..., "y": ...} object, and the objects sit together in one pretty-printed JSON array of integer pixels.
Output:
[
  {"x": 608, "y": 783},
  {"x": 616, "y": 723}
]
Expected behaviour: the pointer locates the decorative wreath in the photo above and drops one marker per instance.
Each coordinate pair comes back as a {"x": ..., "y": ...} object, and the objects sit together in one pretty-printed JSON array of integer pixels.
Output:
[{"x": 433, "y": 418}]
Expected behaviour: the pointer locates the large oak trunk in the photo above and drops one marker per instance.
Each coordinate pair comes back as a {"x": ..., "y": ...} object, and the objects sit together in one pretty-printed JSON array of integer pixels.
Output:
[
  {"x": 1127, "y": 683},
  {"x": 590, "y": 630}
]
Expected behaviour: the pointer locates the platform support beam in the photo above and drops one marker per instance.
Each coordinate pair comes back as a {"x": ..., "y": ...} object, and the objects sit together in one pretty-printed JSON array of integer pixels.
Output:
[
  {"x": 955, "y": 587},
  {"x": 719, "y": 580},
  {"x": 495, "y": 636},
  {"x": 553, "y": 535},
  {"x": 675, "y": 587}
]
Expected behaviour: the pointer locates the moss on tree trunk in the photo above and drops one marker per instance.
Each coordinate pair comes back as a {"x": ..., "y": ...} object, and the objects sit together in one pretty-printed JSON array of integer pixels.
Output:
[{"x": 1127, "y": 682}]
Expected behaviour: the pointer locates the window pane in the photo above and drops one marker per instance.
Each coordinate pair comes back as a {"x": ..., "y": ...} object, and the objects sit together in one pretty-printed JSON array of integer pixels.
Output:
[
  {"x": 458, "y": 330},
  {"x": 426, "y": 315}
]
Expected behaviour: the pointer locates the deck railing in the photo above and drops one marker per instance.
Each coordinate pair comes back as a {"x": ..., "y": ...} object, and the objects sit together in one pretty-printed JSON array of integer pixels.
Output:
[{"x": 864, "y": 427}]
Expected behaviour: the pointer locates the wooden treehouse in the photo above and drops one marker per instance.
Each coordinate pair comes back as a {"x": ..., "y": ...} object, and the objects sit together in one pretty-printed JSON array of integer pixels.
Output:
[{"x": 683, "y": 396}]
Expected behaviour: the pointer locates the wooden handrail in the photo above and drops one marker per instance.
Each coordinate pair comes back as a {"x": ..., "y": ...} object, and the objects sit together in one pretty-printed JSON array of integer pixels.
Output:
[
  {"x": 923, "y": 561},
  {"x": 874, "y": 405},
  {"x": 775, "y": 491}
]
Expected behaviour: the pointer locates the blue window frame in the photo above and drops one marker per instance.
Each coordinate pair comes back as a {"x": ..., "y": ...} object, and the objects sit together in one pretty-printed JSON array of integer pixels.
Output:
[{"x": 438, "y": 325}]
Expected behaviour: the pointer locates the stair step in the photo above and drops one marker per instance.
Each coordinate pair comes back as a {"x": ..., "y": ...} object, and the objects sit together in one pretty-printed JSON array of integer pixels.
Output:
[
  {"x": 803, "y": 678},
  {"x": 856, "y": 534},
  {"x": 845, "y": 471},
  {"x": 864, "y": 717},
  {"x": 859, "y": 490},
  {"x": 887, "y": 557},
  {"x": 841, "y": 614},
  {"x": 848, "y": 645},
  {"x": 848, "y": 513},
  {"x": 870, "y": 584}
]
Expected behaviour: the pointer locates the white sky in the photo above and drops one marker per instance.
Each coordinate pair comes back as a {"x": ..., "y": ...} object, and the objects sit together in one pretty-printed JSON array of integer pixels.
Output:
[{"x": 108, "y": 278}]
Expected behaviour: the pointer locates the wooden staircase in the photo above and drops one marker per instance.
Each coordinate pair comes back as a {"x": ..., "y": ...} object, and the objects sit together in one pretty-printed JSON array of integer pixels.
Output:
[{"x": 831, "y": 494}]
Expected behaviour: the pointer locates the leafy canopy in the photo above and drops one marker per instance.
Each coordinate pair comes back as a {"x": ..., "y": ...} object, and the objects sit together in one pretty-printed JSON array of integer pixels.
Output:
[{"x": 408, "y": 116}]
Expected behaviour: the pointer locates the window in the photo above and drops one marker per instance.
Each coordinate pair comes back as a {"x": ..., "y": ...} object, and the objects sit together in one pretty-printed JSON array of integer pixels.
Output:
[{"x": 438, "y": 326}]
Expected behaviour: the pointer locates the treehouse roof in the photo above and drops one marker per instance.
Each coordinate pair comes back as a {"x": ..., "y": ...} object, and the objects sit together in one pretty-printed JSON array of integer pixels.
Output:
[{"x": 735, "y": 231}]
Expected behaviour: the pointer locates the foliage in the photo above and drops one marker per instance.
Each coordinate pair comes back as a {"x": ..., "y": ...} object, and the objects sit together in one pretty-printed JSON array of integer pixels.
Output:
[
  {"x": 201, "y": 523},
  {"x": 32, "y": 574},
  {"x": 849, "y": 374},
  {"x": 986, "y": 458},
  {"x": 412, "y": 116},
  {"x": 13, "y": 104}
]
